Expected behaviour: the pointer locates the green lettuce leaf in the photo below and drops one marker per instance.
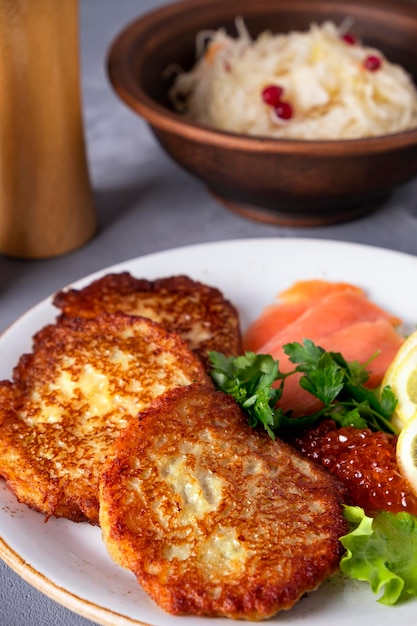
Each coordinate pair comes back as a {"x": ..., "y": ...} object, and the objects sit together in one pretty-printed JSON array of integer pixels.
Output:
[{"x": 383, "y": 551}]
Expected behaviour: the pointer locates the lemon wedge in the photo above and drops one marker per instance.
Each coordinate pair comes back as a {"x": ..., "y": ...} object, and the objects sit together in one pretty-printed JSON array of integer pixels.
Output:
[
  {"x": 401, "y": 376},
  {"x": 407, "y": 452}
]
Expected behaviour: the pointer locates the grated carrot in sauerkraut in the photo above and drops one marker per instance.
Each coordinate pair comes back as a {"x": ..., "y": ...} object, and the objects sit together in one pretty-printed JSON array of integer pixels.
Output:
[{"x": 323, "y": 77}]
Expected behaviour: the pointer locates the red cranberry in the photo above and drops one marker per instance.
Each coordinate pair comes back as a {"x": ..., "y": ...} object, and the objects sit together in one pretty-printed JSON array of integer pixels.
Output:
[
  {"x": 372, "y": 63},
  {"x": 349, "y": 38},
  {"x": 284, "y": 110},
  {"x": 271, "y": 95}
]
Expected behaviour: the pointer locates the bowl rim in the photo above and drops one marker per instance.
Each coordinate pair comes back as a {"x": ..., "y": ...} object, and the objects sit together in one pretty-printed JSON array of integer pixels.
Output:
[{"x": 161, "y": 118}]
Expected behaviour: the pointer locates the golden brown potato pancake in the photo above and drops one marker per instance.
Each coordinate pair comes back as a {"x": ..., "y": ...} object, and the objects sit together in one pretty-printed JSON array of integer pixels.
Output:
[
  {"x": 213, "y": 517},
  {"x": 70, "y": 398},
  {"x": 197, "y": 312}
]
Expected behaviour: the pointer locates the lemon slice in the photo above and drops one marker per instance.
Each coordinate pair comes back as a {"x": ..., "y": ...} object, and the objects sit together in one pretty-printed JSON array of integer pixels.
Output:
[
  {"x": 407, "y": 452},
  {"x": 401, "y": 376}
]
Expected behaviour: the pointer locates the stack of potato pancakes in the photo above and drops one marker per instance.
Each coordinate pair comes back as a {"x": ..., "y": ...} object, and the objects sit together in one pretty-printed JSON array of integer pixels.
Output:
[{"x": 113, "y": 419}]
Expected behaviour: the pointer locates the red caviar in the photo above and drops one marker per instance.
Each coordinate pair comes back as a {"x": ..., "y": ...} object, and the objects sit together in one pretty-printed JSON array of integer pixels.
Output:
[{"x": 364, "y": 461}]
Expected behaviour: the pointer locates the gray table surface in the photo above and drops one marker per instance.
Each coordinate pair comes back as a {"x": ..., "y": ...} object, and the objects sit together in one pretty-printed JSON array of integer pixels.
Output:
[{"x": 146, "y": 204}]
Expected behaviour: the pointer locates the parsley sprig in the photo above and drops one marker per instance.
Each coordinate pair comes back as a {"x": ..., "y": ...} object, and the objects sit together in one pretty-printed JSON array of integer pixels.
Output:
[{"x": 256, "y": 383}]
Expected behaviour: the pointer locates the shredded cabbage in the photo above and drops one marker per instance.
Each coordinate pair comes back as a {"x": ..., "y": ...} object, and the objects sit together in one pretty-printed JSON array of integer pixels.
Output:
[{"x": 332, "y": 94}]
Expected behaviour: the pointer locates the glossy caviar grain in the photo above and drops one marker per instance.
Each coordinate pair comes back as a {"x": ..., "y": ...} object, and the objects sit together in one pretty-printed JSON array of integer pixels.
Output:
[{"x": 364, "y": 461}]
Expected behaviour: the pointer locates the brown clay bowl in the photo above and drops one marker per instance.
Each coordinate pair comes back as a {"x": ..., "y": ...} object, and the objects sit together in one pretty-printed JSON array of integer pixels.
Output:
[{"x": 290, "y": 182}]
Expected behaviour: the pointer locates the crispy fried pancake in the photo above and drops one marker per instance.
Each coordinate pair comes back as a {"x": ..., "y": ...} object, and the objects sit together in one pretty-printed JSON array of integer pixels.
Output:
[
  {"x": 213, "y": 517},
  {"x": 197, "y": 312},
  {"x": 73, "y": 395}
]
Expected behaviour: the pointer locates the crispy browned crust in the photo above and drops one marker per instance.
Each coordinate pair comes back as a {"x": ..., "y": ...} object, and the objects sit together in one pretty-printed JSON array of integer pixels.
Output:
[
  {"x": 213, "y": 517},
  {"x": 72, "y": 396},
  {"x": 197, "y": 312}
]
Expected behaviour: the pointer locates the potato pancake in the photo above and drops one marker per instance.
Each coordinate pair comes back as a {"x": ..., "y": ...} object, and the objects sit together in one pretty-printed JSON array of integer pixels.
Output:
[
  {"x": 213, "y": 517},
  {"x": 70, "y": 398},
  {"x": 197, "y": 312}
]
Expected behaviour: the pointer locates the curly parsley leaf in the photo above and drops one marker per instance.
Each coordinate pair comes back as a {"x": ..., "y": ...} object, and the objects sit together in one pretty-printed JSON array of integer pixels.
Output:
[
  {"x": 249, "y": 380},
  {"x": 323, "y": 379},
  {"x": 382, "y": 551},
  {"x": 256, "y": 383},
  {"x": 340, "y": 386}
]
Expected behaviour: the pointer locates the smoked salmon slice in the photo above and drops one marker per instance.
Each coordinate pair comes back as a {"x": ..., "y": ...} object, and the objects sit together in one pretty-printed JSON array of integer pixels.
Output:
[
  {"x": 330, "y": 314},
  {"x": 272, "y": 320},
  {"x": 291, "y": 303},
  {"x": 376, "y": 342},
  {"x": 336, "y": 316},
  {"x": 314, "y": 289},
  {"x": 361, "y": 341}
]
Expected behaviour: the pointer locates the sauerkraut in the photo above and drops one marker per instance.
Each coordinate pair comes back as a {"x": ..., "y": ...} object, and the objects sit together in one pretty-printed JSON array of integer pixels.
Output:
[{"x": 334, "y": 87}]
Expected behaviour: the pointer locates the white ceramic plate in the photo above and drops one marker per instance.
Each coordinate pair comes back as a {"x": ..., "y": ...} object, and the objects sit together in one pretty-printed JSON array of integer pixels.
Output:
[{"x": 68, "y": 561}]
